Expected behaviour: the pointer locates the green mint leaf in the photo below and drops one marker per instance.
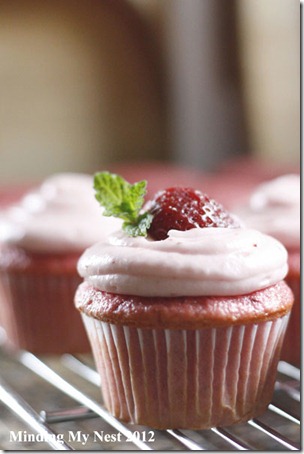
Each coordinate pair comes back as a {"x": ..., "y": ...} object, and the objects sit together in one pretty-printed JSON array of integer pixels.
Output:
[
  {"x": 137, "y": 193},
  {"x": 110, "y": 190},
  {"x": 123, "y": 200},
  {"x": 140, "y": 227}
]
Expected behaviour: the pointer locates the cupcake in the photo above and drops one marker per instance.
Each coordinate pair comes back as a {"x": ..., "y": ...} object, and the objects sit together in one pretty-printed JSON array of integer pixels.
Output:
[
  {"x": 185, "y": 310},
  {"x": 42, "y": 237},
  {"x": 274, "y": 208}
]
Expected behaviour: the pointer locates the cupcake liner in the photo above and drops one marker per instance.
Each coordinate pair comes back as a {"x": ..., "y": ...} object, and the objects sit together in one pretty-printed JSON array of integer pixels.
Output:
[
  {"x": 191, "y": 379},
  {"x": 38, "y": 313}
]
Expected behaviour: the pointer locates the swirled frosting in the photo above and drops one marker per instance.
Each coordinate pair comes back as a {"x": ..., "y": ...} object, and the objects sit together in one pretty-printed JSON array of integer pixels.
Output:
[
  {"x": 274, "y": 208},
  {"x": 197, "y": 262},
  {"x": 61, "y": 215}
]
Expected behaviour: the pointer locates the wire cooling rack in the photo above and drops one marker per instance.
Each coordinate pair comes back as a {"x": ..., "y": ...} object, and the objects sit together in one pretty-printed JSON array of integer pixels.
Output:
[{"x": 58, "y": 403}]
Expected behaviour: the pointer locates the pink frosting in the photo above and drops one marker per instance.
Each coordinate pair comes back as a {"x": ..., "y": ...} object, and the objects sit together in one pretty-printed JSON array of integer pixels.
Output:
[
  {"x": 208, "y": 261},
  {"x": 274, "y": 208},
  {"x": 61, "y": 214}
]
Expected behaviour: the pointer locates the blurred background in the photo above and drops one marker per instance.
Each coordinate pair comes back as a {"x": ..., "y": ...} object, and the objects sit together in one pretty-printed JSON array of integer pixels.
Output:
[{"x": 202, "y": 84}]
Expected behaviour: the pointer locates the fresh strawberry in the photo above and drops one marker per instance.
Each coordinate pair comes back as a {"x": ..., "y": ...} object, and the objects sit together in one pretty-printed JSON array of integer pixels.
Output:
[{"x": 184, "y": 209}]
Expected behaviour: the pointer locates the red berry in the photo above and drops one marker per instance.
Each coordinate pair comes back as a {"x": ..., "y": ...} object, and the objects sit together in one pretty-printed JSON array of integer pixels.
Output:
[{"x": 184, "y": 209}]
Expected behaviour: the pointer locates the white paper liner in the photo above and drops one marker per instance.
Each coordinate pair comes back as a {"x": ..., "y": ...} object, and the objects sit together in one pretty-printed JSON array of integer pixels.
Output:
[
  {"x": 192, "y": 379},
  {"x": 39, "y": 314}
]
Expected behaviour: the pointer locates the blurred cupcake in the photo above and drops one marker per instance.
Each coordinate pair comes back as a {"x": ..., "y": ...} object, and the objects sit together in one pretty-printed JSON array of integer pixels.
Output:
[
  {"x": 186, "y": 324},
  {"x": 42, "y": 238},
  {"x": 274, "y": 208}
]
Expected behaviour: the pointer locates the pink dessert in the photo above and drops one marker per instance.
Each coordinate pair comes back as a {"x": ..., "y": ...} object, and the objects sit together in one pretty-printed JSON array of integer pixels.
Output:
[
  {"x": 42, "y": 237},
  {"x": 187, "y": 330},
  {"x": 274, "y": 208},
  {"x": 37, "y": 291}
]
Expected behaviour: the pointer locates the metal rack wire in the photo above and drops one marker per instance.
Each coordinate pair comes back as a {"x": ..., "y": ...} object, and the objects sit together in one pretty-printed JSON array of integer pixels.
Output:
[{"x": 278, "y": 429}]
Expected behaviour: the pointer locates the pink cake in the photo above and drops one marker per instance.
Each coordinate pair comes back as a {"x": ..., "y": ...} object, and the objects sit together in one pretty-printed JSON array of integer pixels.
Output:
[
  {"x": 37, "y": 291},
  {"x": 42, "y": 237},
  {"x": 186, "y": 331},
  {"x": 181, "y": 362},
  {"x": 274, "y": 208}
]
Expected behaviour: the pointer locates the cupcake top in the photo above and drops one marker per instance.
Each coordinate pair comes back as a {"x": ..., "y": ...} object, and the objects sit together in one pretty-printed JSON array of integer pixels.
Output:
[
  {"x": 191, "y": 246},
  {"x": 274, "y": 208},
  {"x": 62, "y": 215},
  {"x": 200, "y": 261}
]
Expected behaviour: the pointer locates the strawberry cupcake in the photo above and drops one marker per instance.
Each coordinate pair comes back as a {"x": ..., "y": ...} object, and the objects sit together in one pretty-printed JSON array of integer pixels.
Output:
[
  {"x": 185, "y": 310},
  {"x": 274, "y": 208},
  {"x": 42, "y": 238}
]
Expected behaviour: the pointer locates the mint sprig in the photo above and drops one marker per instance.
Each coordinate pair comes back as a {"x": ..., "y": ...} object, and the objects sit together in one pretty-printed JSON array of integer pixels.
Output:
[{"x": 123, "y": 200}]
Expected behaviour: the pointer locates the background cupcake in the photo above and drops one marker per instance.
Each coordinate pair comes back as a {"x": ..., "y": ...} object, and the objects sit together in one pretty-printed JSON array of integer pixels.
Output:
[
  {"x": 186, "y": 324},
  {"x": 41, "y": 239},
  {"x": 274, "y": 208}
]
